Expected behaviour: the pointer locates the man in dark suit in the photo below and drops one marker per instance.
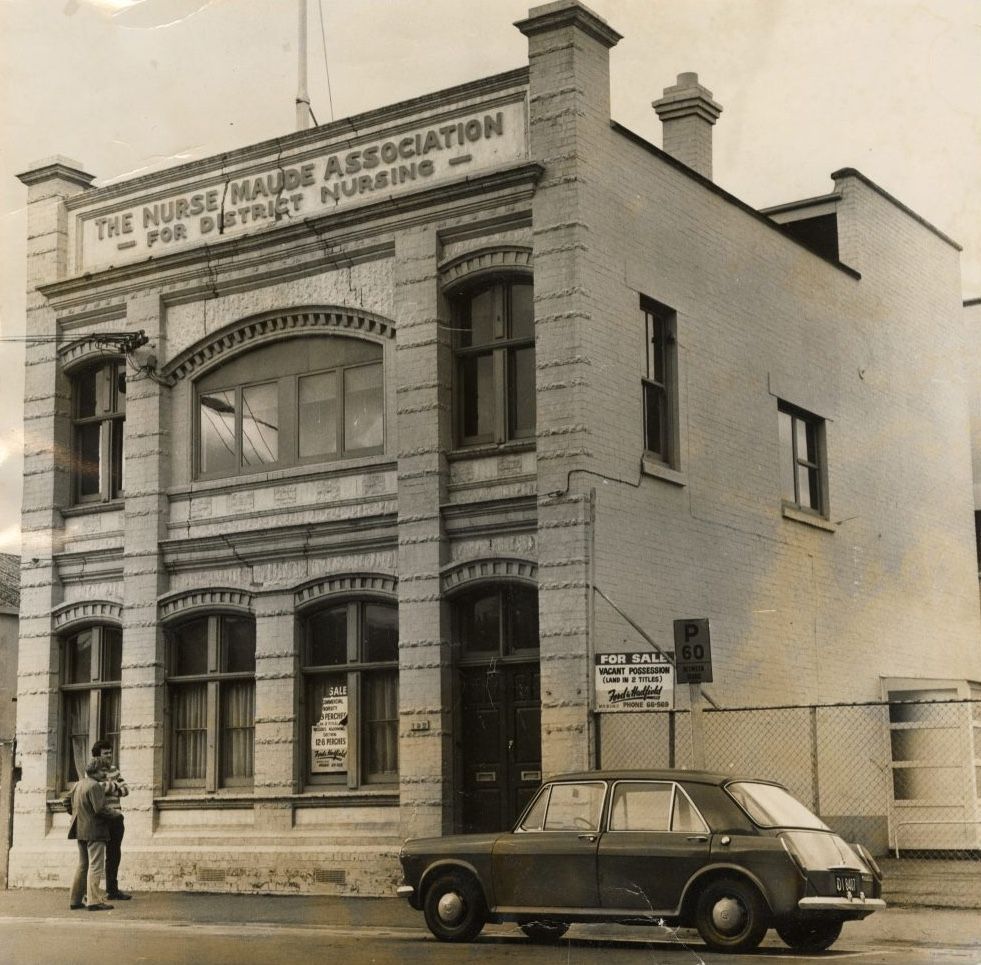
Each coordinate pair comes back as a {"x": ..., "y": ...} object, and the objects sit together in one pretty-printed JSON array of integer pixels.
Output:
[{"x": 90, "y": 827}]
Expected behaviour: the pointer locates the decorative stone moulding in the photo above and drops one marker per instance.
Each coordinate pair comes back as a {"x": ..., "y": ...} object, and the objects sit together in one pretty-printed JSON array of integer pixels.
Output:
[
  {"x": 241, "y": 336},
  {"x": 90, "y": 611},
  {"x": 208, "y": 599},
  {"x": 461, "y": 575},
  {"x": 83, "y": 350},
  {"x": 351, "y": 584},
  {"x": 496, "y": 260}
]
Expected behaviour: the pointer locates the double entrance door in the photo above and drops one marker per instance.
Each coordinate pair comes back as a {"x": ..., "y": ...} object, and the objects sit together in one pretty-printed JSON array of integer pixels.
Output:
[{"x": 501, "y": 747}]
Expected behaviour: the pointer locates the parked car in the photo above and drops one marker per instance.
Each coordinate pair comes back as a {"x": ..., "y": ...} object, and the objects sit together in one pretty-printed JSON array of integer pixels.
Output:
[{"x": 730, "y": 856}]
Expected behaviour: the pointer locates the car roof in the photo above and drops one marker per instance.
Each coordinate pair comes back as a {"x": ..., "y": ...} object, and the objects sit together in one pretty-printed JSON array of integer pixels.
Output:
[{"x": 663, "y": 774}]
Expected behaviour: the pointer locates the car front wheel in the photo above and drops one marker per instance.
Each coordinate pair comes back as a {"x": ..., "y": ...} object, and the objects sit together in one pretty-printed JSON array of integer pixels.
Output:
[
  {"x": 810, "y": 936},
  {"x": 731, "y": 916},
  {"x": 455, "y": 909},
  {"x": 544, "y": 932}
]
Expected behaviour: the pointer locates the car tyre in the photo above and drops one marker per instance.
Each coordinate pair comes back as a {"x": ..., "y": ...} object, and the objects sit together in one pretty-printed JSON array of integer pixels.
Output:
[
  {"x": 544, "y": 932},
  {"x": 731, "y": 916},
  {"x": 817, "y": 935},
  {"x": 455, "y": 909}
]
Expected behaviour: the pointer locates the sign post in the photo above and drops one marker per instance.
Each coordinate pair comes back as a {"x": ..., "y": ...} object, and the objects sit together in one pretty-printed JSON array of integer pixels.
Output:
[{"x": 693, "y": 665}]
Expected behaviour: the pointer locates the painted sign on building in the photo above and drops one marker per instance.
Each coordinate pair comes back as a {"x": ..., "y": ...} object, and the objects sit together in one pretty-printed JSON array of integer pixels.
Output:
[
  {"x": 628, "y": 682},
  {"x": 282, "y": 190},
  {"x": 328, "y": 737}
]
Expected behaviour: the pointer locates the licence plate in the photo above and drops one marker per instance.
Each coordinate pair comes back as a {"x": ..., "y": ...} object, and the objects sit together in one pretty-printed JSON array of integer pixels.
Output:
[{"x": 846, "y": 883}]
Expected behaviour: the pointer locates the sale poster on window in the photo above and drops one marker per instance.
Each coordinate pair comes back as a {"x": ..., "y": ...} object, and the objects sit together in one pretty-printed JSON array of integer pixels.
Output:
[{"x": 328, "y": 737}]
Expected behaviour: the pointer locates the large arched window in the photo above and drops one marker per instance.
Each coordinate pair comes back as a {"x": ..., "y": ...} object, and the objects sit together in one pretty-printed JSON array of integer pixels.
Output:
[
  {"x": 211, "y": 701},
  {"x": 98, "y": 419},
  {"x": 494, "y": 326},
  {"x": 298, "y": 401},
  {"x": 350, "y": 674}
]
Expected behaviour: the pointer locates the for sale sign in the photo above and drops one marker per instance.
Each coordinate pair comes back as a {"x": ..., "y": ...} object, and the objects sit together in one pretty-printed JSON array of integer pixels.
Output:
[
  {"x": 328, "y": 737},
  {"x": 628, "y": 682}
]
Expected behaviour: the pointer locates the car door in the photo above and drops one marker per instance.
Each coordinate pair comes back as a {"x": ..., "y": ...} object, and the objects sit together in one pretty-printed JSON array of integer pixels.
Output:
[
  {"x": 654, "y": 842},
  {"x": 550, "y": 862}
]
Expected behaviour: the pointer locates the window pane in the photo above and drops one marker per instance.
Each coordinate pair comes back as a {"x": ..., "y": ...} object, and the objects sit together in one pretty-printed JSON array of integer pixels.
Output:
[
  {"x": 655, "y": 348},
  {"x": 479, "y": 323},
  {"x": 237, "y": 644},
  {"x": 654, "y": 416},
  {"x": 86, "y": 394},
  {"x": 787, "y": 465},
  {"x": 641, "y": 807},
  {"x": 190, "y": 648},
  {"x": 189, "y": 703},
  {"x": 480, "y": 623},
  {"x": 79, "y": 658},
  {"x": 381, "y": 632},
  {"x": 327, "y": 740},
  {"x": 522, "y": 311},
  {"x": 574, "y": 807},
  {"x": 804, "y": 481},
  {"x": 112, "y": 654},
  {"x": 363, "y": 408},
  {"x": 522, "y": 612},
  {"x": 685, "y": 817},
  {"x": 260, "y": 424},
  {"x": 536, "y": 813},
  {"x": 117, "y": 464},
  {"x": 327, "y": 637},
  {"x": 119, "y": 388},
  {"x": 805, "y": 436},
  {"x": 217, "y": 430},
  {"x": 76, "y": 710},
  {"x": 237, "y": 730},
  {"x": 318, "y": 414},
  {"x": 380, "y": 721},
  {"x": 109, "y": 723},
  {"x": 521, "y": 397},
  {"x": 477, "y": 396},
  {"x": 88, "y": 449}
]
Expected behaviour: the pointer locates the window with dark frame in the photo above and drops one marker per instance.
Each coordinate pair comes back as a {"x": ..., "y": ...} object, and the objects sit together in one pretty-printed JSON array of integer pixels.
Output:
[
  {"x": 659, "y": 382},
  {"x": 350, "y": 678},
  {"x": 499, "y": 621},
  {"x": 801, "y": 459},
  {"x": 300, "y": 416},
  {"x": 98, "y": 423},
  {"x": 495, "y": 362},
  {"x": 211, "y": 702},
  {"x": 91, "y": 671}
]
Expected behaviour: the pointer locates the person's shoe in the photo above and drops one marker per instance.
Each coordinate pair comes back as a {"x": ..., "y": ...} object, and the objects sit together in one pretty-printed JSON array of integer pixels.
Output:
[
  {"x": 101, "y": 906},
  {"x": 118, "y": 896},
  {"x": 76, "y": 907}
]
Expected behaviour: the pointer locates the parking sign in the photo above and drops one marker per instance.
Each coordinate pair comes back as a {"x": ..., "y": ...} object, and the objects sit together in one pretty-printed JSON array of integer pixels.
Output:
[{"x": 692, "y": 651}]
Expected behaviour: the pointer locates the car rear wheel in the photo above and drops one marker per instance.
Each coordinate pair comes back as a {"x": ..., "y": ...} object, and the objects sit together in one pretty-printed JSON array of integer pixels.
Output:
[
  {"x": 455, "y": 909},
  {"x": 731, "y": 916},
  {"x": 810, "y": 936},
  {"x": 544, "y": 932}
]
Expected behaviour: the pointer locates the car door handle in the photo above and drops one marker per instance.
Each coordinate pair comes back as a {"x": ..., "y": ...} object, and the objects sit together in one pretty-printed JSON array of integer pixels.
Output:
[
  {"x": 702, "y": 838},
  {"x": 587, "y": 837}
]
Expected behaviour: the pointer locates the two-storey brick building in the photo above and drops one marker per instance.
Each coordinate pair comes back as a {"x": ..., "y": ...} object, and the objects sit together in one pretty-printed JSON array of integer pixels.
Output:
[{"x": 431, "y": 406}]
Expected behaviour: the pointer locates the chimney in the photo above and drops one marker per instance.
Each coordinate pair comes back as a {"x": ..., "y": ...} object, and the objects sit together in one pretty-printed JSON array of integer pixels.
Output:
[{"x": 687, "y": 114}]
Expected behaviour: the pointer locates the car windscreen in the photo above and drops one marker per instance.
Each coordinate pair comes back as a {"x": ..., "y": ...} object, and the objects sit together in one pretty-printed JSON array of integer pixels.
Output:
[{"x": 773, "y": 807}]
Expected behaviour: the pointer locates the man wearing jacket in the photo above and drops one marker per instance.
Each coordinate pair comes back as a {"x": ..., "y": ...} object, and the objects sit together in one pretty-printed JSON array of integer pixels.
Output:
[
  {"x": 115, "y": 788},
  {"x": 91, "y": 818}
]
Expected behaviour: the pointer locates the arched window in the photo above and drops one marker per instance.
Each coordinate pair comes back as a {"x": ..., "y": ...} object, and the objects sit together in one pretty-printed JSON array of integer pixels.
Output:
[
  {"x": 211, "y": 699},
  {"x": 298, "y": 401},
  {"x": 91, "y": 669},
  {"x": 495, "y": 361},
  {"x": 350, "y": 673},
  {"x": 98, "y": 418}
]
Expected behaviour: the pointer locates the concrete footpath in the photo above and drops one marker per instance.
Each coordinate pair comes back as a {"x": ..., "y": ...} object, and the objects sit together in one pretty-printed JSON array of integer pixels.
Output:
[{"x": 895, "y": 926}]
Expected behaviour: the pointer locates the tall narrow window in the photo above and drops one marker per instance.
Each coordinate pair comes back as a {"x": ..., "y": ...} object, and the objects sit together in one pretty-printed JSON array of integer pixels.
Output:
[
  {"x": 802, "y": 468},
  {"x": 211, "y": 692},
  {"x": 350, "y": 669},
  {"x": 91, "y": 669},
  {"x": 659, "y": 382},
  {"x": 98, "y": 419},
  {"x": 495, "y": 363}
]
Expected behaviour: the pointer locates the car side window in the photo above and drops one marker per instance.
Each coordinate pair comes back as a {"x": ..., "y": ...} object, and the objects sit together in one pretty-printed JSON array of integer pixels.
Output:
[
  {"x": 641, "y": 806},
  {"x": 575, "y": 807},
  {"x": 685, "y": 816},
  {"x": 535, "y": 817}
]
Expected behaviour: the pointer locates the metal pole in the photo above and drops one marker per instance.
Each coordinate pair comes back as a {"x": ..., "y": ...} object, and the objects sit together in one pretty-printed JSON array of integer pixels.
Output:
[
  {"x": 697, "y": 740},
  {"x": 302, "y": 96}
]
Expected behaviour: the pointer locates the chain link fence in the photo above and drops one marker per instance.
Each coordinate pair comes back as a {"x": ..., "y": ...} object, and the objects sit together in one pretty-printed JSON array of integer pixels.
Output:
[{"x": 901, "y": 777}]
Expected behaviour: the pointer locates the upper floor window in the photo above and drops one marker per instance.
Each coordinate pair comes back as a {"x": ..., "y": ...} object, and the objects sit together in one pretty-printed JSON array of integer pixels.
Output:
[
  {"x": 350, "y": 671},
  {"x": 497, "y": 621},
  {"x": 305, "y": 400},
  {"x": 802, "y": 460},
  {"x": 659, "y": 384},
  {"x": 91, "y": 669},
  {"x": 495, "y": 362},
  {"x": 98, "y": 419},
  {"x": 211, "y": 699}
]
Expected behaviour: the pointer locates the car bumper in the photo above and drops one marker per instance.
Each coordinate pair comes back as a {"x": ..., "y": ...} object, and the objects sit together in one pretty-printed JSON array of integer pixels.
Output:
[
  {"x": 405, "y": 891},
  {"x": 859, "y": 907}
]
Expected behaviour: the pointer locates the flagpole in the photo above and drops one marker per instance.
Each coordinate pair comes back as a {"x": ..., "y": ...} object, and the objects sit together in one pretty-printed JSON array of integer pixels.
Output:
[{"x": 302, "y": 96}]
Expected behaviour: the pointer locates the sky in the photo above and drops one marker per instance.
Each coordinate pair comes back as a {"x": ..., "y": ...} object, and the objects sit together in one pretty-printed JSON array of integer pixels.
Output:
[{"x": 126, "y": 87}]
